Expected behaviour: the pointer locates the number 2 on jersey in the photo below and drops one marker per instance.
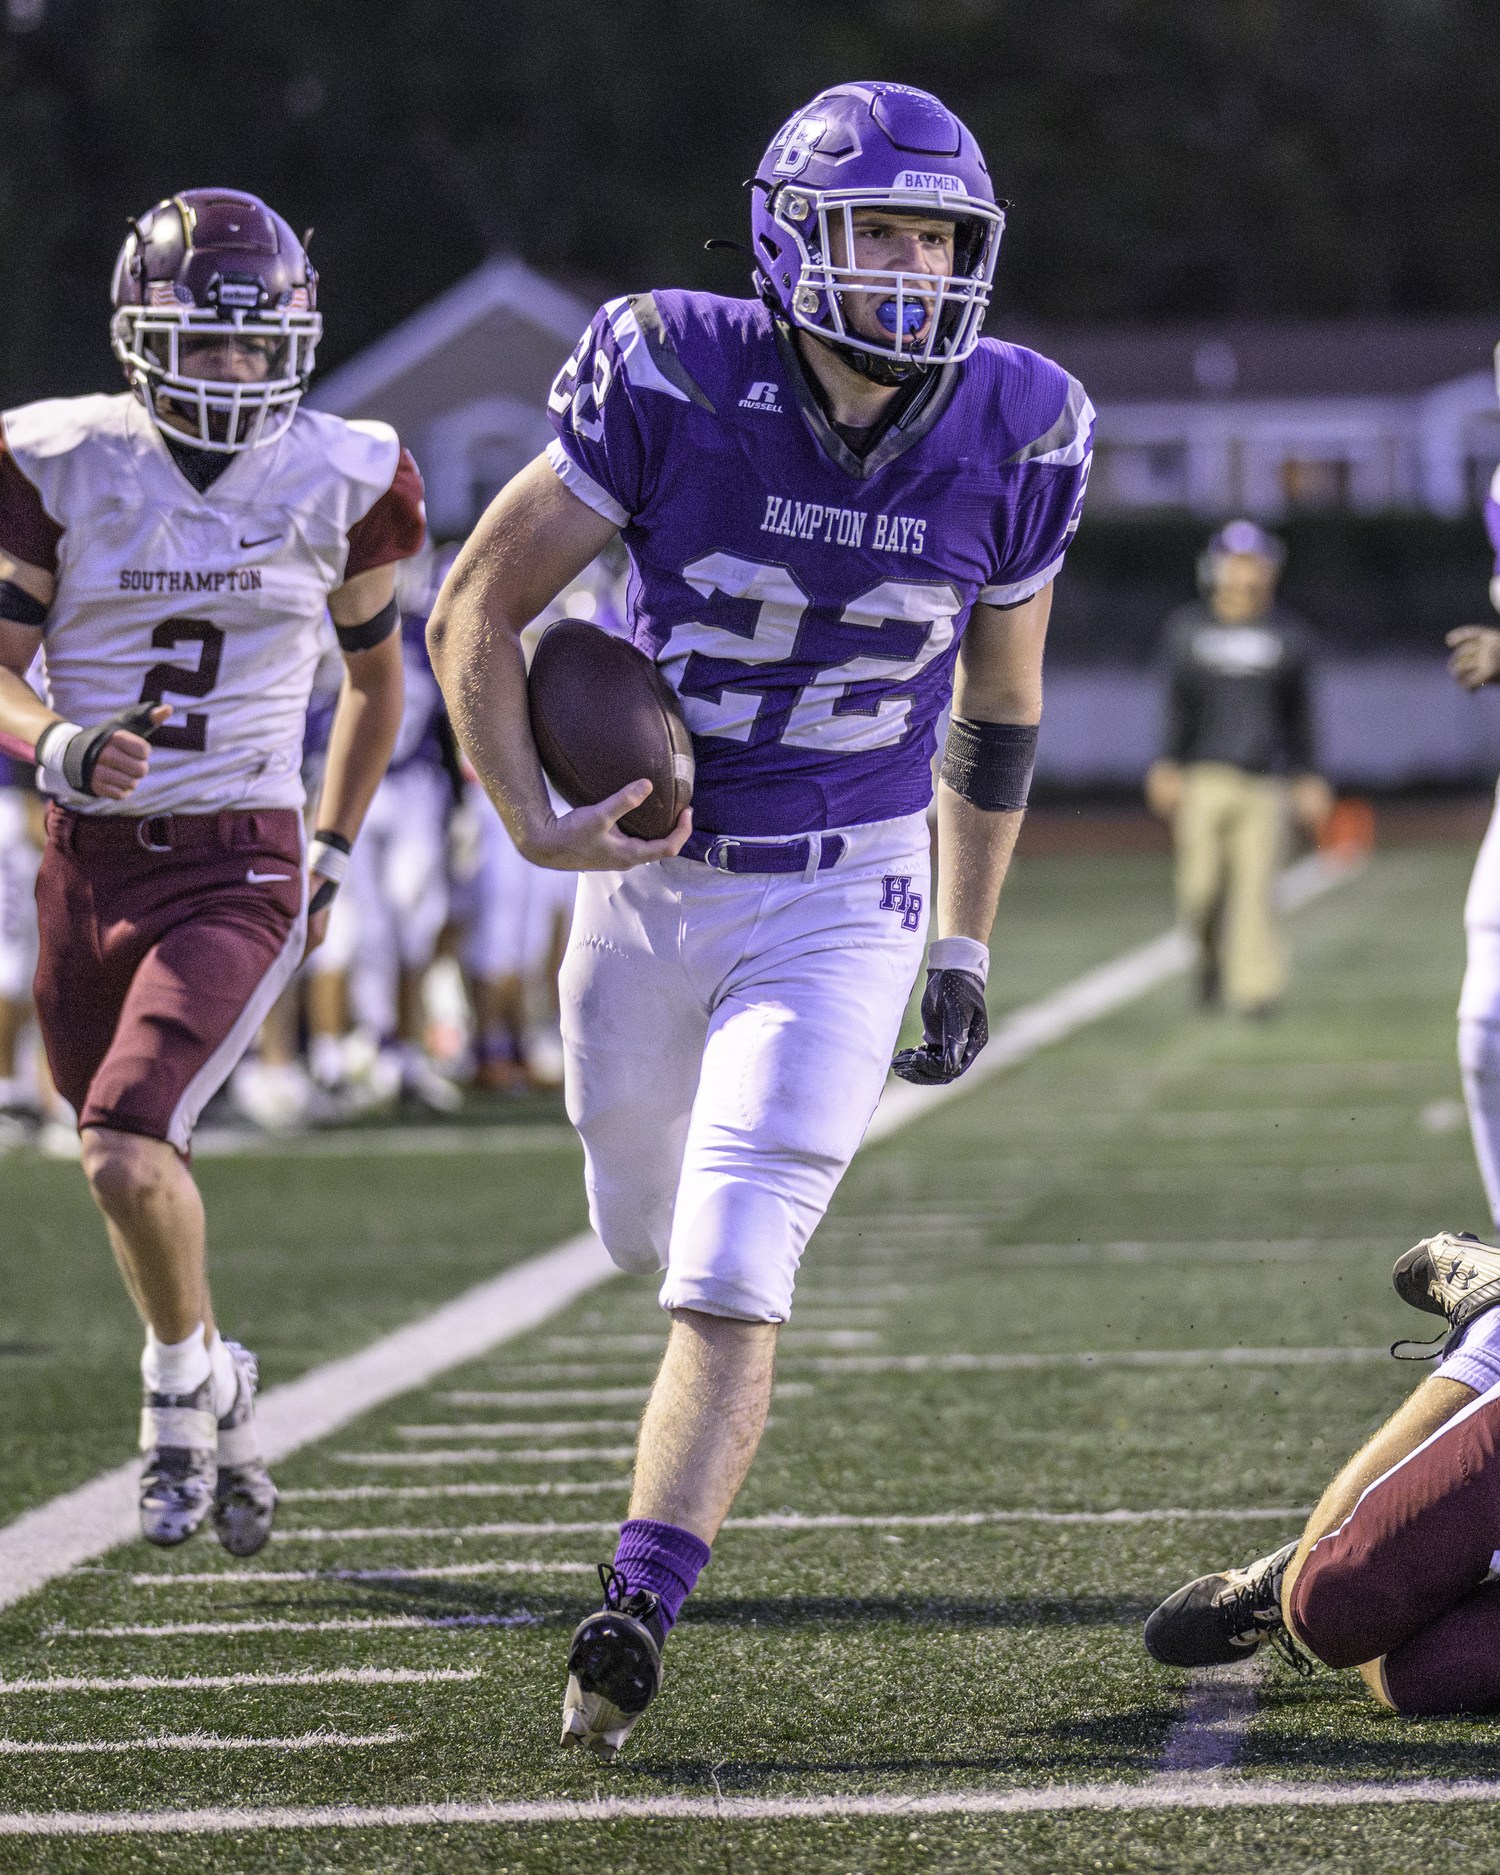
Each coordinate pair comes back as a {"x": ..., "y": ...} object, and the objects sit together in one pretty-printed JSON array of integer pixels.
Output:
[{"x": 182, "y": 682}]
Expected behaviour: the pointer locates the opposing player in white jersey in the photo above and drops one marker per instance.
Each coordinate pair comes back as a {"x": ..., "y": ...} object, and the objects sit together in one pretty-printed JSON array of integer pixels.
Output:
[
  {"x": 832, "y": 497},
  {"x": 172, "y": 550}
]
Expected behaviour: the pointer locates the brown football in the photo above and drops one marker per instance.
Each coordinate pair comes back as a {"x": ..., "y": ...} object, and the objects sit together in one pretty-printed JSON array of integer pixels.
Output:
[{"x": 603, "y": 715}]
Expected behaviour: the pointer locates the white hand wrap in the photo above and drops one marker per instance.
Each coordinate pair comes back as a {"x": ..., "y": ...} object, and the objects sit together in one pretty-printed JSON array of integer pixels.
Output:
[
  {"x": 327, "y": 861},
  {"x": 960, "y": 953},
  {"x": 52, "y": 746}
]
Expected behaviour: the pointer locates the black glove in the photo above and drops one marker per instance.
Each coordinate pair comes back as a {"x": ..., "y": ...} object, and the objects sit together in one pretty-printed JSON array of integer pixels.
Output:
[
  {"x": 81, "y": 756},
  {"x": 954, "y": 1029}
]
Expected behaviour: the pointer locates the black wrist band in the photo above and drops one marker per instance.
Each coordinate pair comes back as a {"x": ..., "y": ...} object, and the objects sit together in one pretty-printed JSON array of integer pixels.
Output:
[
  {"x": 335, "y": 840},
  {"x": 990, "y": 764}
]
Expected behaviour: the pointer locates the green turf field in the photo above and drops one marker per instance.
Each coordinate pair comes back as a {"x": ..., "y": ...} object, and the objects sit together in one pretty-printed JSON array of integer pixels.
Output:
[{"x": 1162, "y": 1185}]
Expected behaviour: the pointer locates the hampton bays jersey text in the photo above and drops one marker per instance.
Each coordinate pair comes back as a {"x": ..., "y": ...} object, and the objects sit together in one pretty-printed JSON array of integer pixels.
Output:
[{"x": 807, "y": 606}]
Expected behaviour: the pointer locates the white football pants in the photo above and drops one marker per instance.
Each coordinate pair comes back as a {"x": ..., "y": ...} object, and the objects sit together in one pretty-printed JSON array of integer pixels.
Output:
[
  {"x": 727, "y": 1038},
  {"x": 1479, "y": 1013}
]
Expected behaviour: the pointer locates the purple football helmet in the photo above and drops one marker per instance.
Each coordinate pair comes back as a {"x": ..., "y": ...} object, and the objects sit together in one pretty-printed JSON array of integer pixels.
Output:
[
  {"x": 216, "y": 266},
  {"x": 886, "y": 147}
]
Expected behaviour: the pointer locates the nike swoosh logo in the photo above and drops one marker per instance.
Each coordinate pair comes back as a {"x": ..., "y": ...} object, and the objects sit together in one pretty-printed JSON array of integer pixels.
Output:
[
  {"x": 264, "y": 540},
  {"x": 260, "y": 878}
]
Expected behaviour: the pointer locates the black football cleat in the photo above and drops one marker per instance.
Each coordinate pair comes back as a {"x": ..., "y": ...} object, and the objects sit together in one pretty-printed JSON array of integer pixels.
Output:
[
  {"x": 1454, "y": 1275},
  {"x": 180, "y": 1439},
  {"x": 614, "y": 1666},
  {"x": 1221, "y": 1619},
  {"x": 244, "y": 1496}
]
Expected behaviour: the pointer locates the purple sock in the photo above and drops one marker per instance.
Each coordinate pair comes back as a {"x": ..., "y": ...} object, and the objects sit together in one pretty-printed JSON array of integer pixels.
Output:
[{"x": 662, "y": 1558}]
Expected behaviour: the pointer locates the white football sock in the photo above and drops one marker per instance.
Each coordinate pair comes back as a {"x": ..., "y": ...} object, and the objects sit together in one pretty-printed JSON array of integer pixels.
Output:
[
  {"x": 175, "y": 1366},
  {"x": 226, "y": 1375}
]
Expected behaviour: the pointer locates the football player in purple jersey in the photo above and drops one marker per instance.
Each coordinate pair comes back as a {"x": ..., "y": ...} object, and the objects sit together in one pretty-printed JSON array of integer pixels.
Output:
[{"x": 842, "y": 506}]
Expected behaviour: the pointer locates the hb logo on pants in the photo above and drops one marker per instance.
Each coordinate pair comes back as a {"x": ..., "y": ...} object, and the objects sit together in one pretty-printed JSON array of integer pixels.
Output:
[{"x": 896, "y": 895}]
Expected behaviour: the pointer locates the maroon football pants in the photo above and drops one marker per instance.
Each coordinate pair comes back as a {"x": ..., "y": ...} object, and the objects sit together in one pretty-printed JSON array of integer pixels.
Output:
[
  {"x": 1403, "y": 1575},
  {"x": 164, "y": 943}
]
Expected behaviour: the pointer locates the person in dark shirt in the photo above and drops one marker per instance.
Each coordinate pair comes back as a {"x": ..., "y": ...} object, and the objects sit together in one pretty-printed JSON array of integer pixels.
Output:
[{"x": 1238, "y": 757}]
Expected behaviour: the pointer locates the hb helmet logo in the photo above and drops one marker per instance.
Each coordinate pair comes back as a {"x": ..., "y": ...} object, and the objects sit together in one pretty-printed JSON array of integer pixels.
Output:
[{"x": 801, "y": 139}]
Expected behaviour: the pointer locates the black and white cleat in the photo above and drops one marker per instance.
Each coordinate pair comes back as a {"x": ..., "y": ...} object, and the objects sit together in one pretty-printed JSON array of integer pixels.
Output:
[
  {"x": 1454, "y": 1275},
  {"x": 614, "y": 1667},
  {"x": 180, "y": 1438},
  {"x": 1220, "y": 1619},
  {"x": 244, "y": 1496}
]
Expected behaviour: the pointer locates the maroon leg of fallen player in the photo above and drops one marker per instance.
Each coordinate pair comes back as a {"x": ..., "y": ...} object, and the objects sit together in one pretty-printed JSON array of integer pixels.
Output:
[{"x": 1394, "y": 1584}]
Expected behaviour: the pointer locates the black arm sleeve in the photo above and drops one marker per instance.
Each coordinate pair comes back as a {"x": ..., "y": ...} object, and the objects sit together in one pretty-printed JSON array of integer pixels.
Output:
[{"x": 373, "y": 632}]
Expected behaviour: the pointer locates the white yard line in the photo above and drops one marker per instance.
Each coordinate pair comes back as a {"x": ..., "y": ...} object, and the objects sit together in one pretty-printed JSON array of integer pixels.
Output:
[
  {"x": 228, "y": 1682},
  {"x": 355, "y": 1493},
  {"x": 334, "y": 1624},
  {"x": 199, "y": 1741},
  {"x": 489, "y": 1455},
  {"x": 214, "y": 1142},
  {"x": 794, "y": 1520},
  {"x": 214, "y": 1578},
  {"x": 46, "y": 1542},
  {"x": 1044, "y": 1799},
  {"x": 517, "y": 1429},
  {"x": 1107, "y": 1357}
]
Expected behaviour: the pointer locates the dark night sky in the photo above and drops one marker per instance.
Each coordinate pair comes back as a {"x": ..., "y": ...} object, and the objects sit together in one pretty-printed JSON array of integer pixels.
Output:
[{"x": 1167, "y": 159}]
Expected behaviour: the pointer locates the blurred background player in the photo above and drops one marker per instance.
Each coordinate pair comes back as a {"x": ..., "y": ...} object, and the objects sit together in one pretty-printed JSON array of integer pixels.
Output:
[
  {"x": 384, "y": 930},
  {"x": 173, "y": 552},
  {"x": 1238, "y": 755}
]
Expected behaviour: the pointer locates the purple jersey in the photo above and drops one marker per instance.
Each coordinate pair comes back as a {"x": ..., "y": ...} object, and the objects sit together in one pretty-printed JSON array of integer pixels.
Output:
[{"x": 806, "y": 604}]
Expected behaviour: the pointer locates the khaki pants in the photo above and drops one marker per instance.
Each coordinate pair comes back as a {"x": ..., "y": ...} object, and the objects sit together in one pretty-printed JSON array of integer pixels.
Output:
[{"x": 1230, "y": 831}]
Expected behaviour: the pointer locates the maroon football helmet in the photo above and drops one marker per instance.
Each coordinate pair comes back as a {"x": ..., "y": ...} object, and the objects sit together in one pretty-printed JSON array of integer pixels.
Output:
[{"x": 216, "y": 274}]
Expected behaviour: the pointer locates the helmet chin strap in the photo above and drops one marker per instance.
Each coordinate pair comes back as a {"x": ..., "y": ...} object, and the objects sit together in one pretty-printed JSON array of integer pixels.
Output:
[{"x": 887, "y": 372}]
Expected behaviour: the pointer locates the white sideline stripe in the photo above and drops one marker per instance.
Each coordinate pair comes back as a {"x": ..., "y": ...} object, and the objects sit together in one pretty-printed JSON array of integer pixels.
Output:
[
  {"x": 82, "y": 1524},
  {"x": 1097, "y": 993},
  {"x": 1236, "y": 1794},
  {"x": 352, "y": 1493},
  {"x": 46, "y": 1542},
  {"x": 488, "y": 1455},
  {"x": 227, "y": 1682},
  {"x": 199, "y": 1741},
  {"x": 160, "y": 1579},
  {"x": 336, "y": 1624},
  {"x": 794, "y": 1520},
  {"x": 1121, "y": 1357}
]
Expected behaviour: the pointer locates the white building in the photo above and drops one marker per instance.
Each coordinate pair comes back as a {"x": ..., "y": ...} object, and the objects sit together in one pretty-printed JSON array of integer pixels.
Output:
[
  {"x": 465, "y": 382},
  {"x": 1269, "y": 419}
]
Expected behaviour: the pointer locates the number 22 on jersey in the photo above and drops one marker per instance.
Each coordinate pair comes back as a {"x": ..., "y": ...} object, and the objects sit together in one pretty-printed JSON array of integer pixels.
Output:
[{"x": 816, "y": 720}]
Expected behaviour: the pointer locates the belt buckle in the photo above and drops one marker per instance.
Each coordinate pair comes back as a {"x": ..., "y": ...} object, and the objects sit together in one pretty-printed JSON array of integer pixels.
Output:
[
  {"x": 717, "y": 855},
  {"x": 144, "y": 829}
]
